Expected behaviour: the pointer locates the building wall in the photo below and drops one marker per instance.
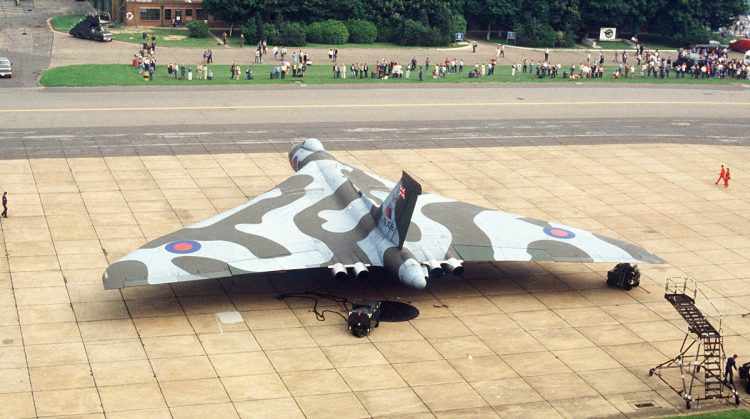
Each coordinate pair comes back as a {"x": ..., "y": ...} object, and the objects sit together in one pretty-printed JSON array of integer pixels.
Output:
[{"x": 165, "y": 12}]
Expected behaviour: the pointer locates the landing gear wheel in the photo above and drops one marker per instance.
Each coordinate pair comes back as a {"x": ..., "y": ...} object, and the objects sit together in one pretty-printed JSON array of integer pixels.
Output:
[
  {"x": 736, "y": 399},
  {"x": 687, "y": 404},
  {"x": 651, "y": 372}
]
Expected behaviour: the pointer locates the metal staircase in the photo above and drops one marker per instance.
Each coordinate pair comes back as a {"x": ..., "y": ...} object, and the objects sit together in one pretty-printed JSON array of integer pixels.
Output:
[{"x": 704, "y": 365}]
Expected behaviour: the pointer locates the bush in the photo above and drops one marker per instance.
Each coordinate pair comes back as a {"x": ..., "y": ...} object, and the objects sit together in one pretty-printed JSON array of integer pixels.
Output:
[
  {"x": 457, "y": 24},
  {"x": 271, "y": 33},
  {"x": 417, "y": 33},
  {"x": 328, "y": 32},
  {"x": 389, "y": 30},
  {"x": 534, "y": 34},
  {"x": 361, "y": 31},
  {"x": 655, "y": 38},
  {"x": 198, "y": 29},
  {"x": 565, "y": 39},
  {"x": 250, "y": 30},
  {"x": 292, "y": 34}
]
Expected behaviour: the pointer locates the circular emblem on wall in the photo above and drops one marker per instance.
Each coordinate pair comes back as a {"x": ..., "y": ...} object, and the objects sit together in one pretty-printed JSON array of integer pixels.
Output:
[
  {"x": 558, "y": 233},
  {"x": 129, "y": 15},
  {"x": 183, "y": 247}
]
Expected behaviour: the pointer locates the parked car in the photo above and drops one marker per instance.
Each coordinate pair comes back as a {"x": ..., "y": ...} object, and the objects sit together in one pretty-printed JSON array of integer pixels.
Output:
[{"x": 6, "y": 68}]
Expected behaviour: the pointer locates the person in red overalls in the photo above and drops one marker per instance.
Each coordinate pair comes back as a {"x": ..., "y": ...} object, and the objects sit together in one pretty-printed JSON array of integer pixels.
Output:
[
  {"x": 721, "y": 175},
  {"x": 727, "y": 176}
]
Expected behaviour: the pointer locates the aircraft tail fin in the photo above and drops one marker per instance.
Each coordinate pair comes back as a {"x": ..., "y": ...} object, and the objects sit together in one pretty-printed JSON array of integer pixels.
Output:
[{"x": 397, "y": 209}]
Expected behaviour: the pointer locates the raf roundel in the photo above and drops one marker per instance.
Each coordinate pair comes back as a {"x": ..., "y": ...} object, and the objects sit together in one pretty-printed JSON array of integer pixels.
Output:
[
  {"x": 183, "y": 247},
  {"x": 558, "y": 233}
]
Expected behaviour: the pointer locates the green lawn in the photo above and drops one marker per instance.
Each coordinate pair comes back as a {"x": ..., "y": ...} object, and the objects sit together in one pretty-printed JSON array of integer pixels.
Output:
[
  {"x": 611, "y": 45},
  {"x": 122, "y": 75},
  {"x": 170, "y": 37},
  {"x": 622, "y": 45},
  {"x": 65, "y": 23},
  {"x": 726, "y": 414}
]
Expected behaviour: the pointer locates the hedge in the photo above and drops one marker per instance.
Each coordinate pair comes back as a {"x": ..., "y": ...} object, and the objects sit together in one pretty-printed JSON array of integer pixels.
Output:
[
  {"x": 198, "y": 29},
  {"x": 361, "y": 31},
  {"x": 533, "y": 34},
  {"x": 271, "y": 33},
  {"x": 417, "y": 33},
  {"x": 292, "y": 34},
  {"x": 328, "y": 32},
  {"x": 250, "y": 30}
]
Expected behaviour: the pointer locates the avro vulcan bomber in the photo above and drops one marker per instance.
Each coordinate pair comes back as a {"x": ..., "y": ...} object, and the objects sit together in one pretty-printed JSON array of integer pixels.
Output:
[{"x": 332, "y": 215}]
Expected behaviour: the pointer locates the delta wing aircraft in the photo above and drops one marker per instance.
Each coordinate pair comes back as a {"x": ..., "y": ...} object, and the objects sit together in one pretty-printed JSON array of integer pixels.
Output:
[{"x": 331, "y": 215}]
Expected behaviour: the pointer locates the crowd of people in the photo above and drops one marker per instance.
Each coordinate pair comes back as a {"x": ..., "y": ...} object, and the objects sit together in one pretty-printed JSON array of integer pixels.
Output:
[
  {"x": 705, "y": 62},
  {"x": 145, "y": 59},
  {"x": 698, "y": 63}
]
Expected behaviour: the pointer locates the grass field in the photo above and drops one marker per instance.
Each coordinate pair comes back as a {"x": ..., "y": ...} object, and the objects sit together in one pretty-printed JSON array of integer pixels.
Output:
[
  {"x": 169, "y": 37},
  {"x": 726, "y": 414},
  {"x": 622, "y": 45},
  {"x": 124, "y": 75},
  {"x": 65, "y": 23}
]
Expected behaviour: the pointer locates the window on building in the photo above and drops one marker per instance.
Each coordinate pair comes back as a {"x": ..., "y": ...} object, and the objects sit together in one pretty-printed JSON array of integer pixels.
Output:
[
  {"x": 150, "y": 14},
  {"x": 189, "y": 12},
  {"x": 201, "y": 14},
  {"x": 168, "y": 14}
]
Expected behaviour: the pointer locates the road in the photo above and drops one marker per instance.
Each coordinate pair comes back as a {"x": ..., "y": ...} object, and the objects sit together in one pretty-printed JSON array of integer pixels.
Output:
[
  {"x": 93, "y": 122},
  {"x": 25, "y": 37}
]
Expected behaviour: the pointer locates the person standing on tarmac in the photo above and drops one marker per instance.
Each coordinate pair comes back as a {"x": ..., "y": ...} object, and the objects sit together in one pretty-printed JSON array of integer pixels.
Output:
[
  {"x": 727, "y": 176},
  {"x": 722, "y": 173},
  {"x": 5, "y": 205}
]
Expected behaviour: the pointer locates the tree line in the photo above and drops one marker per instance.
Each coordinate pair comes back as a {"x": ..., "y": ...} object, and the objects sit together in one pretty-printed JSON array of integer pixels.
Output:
[{"x": 542, "y": 23}]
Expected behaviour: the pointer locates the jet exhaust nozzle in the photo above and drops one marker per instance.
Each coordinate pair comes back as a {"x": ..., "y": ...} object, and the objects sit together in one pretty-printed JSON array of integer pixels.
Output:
[
  {"x": 360, "y": 270},
  {"x": 338, "y": 271},
  {"x": 453, "y": 266},
  {"x": 436, "y": 270}
]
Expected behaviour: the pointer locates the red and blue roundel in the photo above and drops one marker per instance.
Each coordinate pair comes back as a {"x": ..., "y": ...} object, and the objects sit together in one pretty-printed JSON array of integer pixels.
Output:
[
  {"x": 558, "y": 233},
  {"x": 183, "y": 247}
]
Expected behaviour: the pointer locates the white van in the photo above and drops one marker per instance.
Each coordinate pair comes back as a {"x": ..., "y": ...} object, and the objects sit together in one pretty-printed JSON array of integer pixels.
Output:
[{"x": 6, "y": 68}]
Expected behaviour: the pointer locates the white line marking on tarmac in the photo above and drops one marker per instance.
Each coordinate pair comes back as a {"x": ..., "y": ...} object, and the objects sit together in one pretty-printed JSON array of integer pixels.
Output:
[
  {"x": 43, "y": 137},
  {"x": 371, "y": 106},
  {"x": 501, "y": 137}
]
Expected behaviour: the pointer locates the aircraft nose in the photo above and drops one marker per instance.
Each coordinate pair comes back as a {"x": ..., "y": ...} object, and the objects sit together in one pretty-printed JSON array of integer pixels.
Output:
[{"x": 293, "y": 159}]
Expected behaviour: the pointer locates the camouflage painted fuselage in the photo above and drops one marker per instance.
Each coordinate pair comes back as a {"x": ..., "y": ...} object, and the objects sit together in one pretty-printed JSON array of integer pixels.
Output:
[{"x": 331, "y": 214}]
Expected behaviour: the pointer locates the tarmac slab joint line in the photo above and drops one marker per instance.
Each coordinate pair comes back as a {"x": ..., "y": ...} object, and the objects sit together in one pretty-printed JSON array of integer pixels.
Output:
[{"x": 369, "y": 106}]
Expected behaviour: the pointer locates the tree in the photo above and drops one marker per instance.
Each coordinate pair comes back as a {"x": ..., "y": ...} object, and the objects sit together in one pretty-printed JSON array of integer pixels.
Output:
[
  {"x": 492, "y": 13},
  {"x": 233, "y": 12}
]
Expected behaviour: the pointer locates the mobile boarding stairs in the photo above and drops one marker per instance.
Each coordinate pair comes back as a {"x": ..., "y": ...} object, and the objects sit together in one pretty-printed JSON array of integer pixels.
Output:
[{"x": 701, "y": 356}]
